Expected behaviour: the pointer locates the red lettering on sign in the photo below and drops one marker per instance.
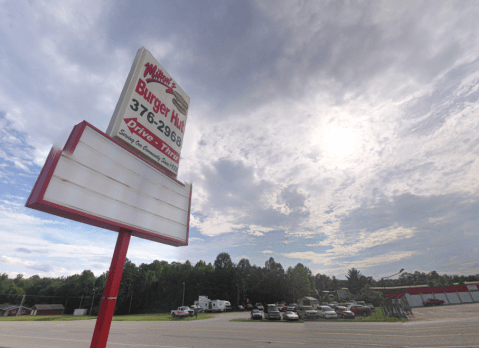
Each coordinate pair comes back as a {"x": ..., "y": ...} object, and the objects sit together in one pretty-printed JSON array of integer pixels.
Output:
[
  {"x": 140, "y": 87},
  {"x": 137, "y": 128},
  {"x": 151, "y": 98}
]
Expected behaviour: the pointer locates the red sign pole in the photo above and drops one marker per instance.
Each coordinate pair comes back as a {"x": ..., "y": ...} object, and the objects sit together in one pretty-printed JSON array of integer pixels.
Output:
[{"x": 108, "y": 302}]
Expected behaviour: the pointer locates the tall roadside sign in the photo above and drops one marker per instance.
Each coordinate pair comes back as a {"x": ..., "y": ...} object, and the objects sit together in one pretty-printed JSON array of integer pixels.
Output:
[
  {"x": 124, "y": 180},
  {"x": 151, "y": 114}
]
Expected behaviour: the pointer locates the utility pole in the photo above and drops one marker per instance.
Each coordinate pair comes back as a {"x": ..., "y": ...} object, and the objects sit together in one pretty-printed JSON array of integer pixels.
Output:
[
  {"x": 20, "y": 308},
  {"x": 131, "y": 299},
  {"x": 93, "y": 299},
  {"x": 183, "y": 302},
  {"x": 81, "y": 301}
]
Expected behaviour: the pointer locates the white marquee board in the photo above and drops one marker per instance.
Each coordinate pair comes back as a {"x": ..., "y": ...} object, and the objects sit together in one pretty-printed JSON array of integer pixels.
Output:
[{"x": 98, "y": 181}]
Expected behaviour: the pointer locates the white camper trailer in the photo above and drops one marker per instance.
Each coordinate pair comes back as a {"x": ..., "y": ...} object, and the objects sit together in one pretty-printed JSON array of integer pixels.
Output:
[
  {"x": 217, "y": 306},
  {"x": 211, "y": 305}
]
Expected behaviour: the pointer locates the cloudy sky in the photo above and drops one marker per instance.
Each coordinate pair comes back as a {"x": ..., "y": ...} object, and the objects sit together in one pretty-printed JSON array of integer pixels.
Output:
[{"x": 337, "y": 134}]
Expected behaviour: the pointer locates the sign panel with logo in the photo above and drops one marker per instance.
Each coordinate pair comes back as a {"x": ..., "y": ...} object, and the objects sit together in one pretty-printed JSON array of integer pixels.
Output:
[{"x": 150, "y": 116}]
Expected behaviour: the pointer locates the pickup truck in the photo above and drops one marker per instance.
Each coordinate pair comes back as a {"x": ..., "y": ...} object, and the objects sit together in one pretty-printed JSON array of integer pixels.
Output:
[
  {"x": 360, "y": 310},
  {"x": 433, "y": 301},
  {"x": 183, "y": 311}
]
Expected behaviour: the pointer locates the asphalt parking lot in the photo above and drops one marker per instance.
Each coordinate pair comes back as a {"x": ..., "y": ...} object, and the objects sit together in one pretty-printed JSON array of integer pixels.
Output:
[
  {"x": 458, "y": 329},
  {"x": 446, "y": 312}
]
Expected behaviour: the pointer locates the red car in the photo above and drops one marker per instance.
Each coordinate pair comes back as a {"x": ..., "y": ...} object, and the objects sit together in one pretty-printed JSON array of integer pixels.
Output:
[
  {"x": 433, "y": 302},
  {"x": 360, "y": 310},
  {"x": 343, "y": 313}
]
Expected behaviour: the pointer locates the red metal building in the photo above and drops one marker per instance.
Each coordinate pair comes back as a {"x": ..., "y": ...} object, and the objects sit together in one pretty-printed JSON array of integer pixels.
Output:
[
  {"x": 48, "y": 309},
  {"x": 8, "y": 310}
]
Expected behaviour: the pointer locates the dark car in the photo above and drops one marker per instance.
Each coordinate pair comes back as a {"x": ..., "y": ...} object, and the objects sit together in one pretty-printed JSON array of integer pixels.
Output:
[
  {"x": 272, "y": 312},
  {"x": 256, "y": 314},
  {"x": 249, "y": 307},
  {"x": 343, "y": 313}
]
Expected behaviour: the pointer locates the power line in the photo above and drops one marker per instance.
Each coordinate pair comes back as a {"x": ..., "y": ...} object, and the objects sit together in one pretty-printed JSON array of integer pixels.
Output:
[{"x": 48, "y": 296}]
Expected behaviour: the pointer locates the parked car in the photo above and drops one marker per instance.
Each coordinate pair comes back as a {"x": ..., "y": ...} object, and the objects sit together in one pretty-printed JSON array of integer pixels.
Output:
[
  {"x": 324, "y": 304},
  {"x": 292, "y": 309},
  {"x": 295, "y": 305},
  {"x": 333, "y": 304},
  {"x": 259, "y": 306},
  {"x": 183, "y": 311},
  {"x": 256, "y": 314},
  {"x": 249, "y": 307},
  {"x": 308, "y": 312},
  {"x": 364, "y": 304},
  {"x": 290, "y": 316},
  {"x": 282, "y": 307},
  {"x": 360, "y": 310},
  {"x": 228, "y": 307},
  {"x": 433, "y": 302},
  {"x": 327, "y": 312},
  {"x": 343, "y": 313},
  {"x": 240, "y": 308},
  {"x": 197, "y": 309},
  {"x": 271, "y": 311}
]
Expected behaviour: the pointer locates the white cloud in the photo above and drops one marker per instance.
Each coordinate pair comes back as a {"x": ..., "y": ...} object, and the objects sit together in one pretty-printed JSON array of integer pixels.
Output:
[
  {"x": 15, "y": 261},
  {"x": 359, "y": 109},
  {"x": 201, "y": 240}
]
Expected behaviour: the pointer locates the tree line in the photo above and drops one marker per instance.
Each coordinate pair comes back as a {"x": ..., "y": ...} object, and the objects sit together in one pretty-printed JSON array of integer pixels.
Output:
[{"x": 158, "y": 286}]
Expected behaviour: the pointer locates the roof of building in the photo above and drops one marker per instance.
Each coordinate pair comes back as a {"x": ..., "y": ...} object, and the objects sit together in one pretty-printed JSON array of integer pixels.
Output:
[
  {"x": 5, "y": 305},
  {"x": 413, "y": 286},
  {"x": 10, "y": 306},
  {"x": 44, "y": 307},
  {"x": 309, "y": 298}
]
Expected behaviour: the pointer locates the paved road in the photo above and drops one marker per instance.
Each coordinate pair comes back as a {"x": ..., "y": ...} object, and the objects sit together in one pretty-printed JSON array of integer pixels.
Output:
[
  {"x": 447, "y": 312},
  {"x": 220, "y": 332}
]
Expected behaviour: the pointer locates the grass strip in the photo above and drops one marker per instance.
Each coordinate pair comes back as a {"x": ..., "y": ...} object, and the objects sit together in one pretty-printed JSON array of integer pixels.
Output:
[{"x": 130, "y": 317}]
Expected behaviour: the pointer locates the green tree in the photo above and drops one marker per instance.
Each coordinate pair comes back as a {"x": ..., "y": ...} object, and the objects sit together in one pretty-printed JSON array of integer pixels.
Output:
[{"x": 354, "y": 280}]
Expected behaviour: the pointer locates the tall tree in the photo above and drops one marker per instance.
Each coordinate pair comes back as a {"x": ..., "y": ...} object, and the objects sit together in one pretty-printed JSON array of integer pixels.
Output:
[
  {"x": 223, "y": 261},
  {"x": 354, "y": 281}
]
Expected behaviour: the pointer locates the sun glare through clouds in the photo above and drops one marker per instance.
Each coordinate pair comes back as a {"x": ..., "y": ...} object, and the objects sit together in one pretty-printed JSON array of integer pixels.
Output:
[{"x": 339, "y": 142}]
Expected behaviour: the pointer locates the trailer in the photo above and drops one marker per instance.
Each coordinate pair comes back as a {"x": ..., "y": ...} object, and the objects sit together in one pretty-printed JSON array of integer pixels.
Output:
[{"x": 211, "y": 305}]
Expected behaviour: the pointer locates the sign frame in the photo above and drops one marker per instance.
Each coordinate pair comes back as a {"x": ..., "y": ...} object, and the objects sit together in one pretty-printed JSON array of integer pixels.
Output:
[{"x": 37, "y": 199}]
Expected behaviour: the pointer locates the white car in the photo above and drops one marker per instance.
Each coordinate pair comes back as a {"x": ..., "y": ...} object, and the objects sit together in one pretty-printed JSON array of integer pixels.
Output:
[
  {"x": 333, "y": 304},
  {"x": 327, "y": 312},
  {"x": 290, "y": 316}
]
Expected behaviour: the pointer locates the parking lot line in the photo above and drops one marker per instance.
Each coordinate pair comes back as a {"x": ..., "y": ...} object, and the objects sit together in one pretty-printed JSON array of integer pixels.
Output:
[
  {"x": 266, "y": 341},
  {"x": 88, "y": 341}
]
